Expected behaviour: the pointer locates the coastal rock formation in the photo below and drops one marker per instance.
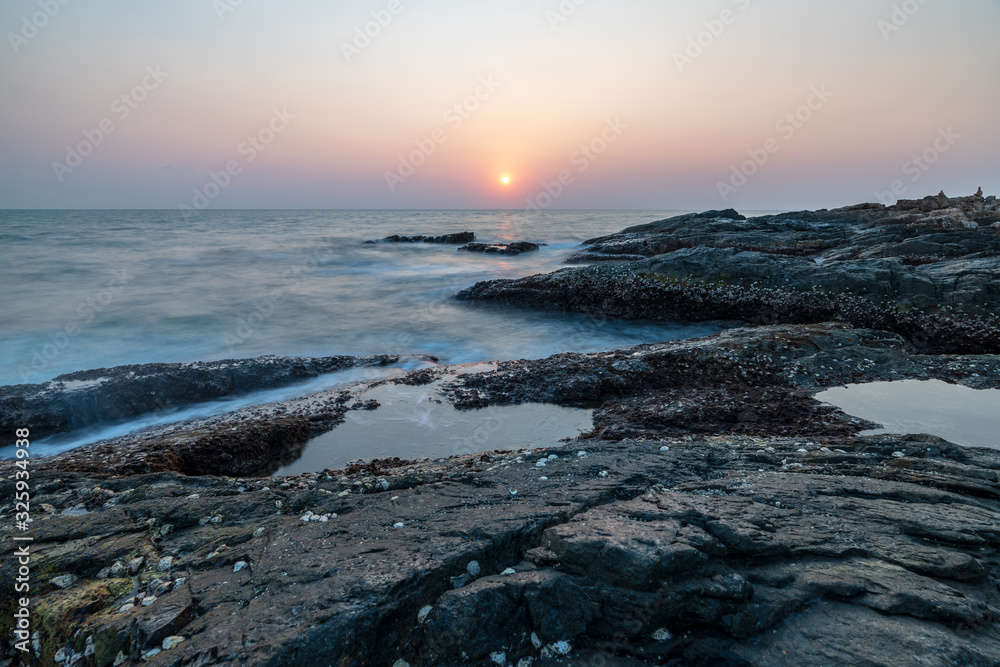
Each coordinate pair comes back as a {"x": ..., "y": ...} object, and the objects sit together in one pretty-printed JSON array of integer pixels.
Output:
[
  {"x": 718, "y": 514},
  {"x": 515, "y": 248},
  {"x": 459, "y": 237},
  {"x": 903, "y": 269},
  {"x": 75, "y": 400},
  {"x": 737, "y": 551}
]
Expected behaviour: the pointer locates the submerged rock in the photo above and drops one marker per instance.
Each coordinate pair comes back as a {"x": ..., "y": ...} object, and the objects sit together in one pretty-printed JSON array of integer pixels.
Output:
[{"x": 515, "y": 248}]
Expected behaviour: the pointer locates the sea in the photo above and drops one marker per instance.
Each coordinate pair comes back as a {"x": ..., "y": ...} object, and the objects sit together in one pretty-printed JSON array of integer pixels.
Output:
[
  {"x": 94, "y": 289},
  {"x": 100, "y": 288}
]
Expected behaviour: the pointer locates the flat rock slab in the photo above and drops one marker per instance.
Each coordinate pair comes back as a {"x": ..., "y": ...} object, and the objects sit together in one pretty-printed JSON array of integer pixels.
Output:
[
  {"x": 79, "y": 399},
  {"x": 456, "y": 238},
  {"x": 516, "y": 248},
  {"x": 743, "y": 549}
]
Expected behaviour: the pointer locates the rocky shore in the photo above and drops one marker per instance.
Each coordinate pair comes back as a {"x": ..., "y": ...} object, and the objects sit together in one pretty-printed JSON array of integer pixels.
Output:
[
  {"x": 716, "y": 514},
  {"x": 75, "y": 400},
  {"x": 927, "y": 270}
]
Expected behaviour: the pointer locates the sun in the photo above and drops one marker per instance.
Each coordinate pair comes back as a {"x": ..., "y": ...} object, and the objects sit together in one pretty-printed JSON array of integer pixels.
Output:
[{"x": 505, "y": 180}]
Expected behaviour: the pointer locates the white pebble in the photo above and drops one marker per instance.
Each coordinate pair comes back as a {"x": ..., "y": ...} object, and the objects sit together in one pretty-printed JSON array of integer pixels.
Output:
[
  {"x": 662, "y": 635},
  {"x": 898, "y": 455},
  {"x": 424, "y": 613},
  {"x": 398, "y": 525},
  {"x": 473, "y": 568},
  {"x": 240, "y": 565},
  {"x": 498, "y": 658},
  {"x": 172, "y": 642},
  {"x": 603, "y": 473},
  {"x": 542, "y": 463},
  {"x": 664, "y": 449},
  {"x": 509, "y": 571}
]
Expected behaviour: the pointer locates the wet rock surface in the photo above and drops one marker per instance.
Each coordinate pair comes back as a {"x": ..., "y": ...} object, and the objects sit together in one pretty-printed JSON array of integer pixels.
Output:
[
  {"x": 456, "y": 238},
  {"x": 79, "y": 399},
  {"x": 687, "y": 529},
  {"x": 927, "y": 269},
  {"x": 515, "y": 248},
  {"x": 749, "y": 551}
]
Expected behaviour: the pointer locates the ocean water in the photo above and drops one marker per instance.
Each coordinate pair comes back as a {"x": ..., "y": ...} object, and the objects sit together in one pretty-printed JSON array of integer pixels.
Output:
[{"x": 92, "y": 289}]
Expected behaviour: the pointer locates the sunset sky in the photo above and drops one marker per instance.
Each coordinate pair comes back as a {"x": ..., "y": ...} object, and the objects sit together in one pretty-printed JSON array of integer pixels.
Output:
[{"x": 333, "y": 113}]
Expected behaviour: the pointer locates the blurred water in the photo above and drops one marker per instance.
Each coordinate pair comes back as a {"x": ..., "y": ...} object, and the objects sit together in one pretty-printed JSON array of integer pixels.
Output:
[{"x": 91, "y": 289}]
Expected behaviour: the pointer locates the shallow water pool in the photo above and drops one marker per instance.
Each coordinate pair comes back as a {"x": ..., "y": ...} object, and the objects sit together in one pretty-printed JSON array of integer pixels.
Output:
[
  {"x": 958, "y": 414},
  {"x": 414, "y": 423}
]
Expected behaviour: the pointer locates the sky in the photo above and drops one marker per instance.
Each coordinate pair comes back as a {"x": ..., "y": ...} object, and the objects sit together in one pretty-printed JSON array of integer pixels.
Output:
[{"x": 580, "y": 104}]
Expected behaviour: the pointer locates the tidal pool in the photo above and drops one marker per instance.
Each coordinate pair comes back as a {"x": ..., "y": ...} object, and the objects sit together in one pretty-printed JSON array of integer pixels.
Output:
[
  {"x": 415, "y": 422},
  {"x": 958, "y": 414}
]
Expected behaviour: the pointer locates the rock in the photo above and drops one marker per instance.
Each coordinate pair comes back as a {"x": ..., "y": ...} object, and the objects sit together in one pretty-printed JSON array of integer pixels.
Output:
[
  {"x": 117, "y": 569},
  {"x": 460, "y": 237},
  {"x": 927, "y": 270},
  {"x": 172, "y": 642},
  {"x": 745, "y": 551},
  {"x": 165, "y": 564},
  {"x": 135, "y": 565},
  {"x": 64, "y": 580},
  {"x": 515, "y": 248},
  {"x": 240, "y": 566},
  {"x": 473, "y": 569},
  {"x": 75, "y": 400}
]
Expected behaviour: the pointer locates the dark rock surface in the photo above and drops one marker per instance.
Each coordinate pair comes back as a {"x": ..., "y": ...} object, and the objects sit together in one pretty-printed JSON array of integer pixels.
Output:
[
  {"x": 718, "y": 515},
  {"x": 879, "y": 551},
  {"x": 76, "y": 400},
  {"x": 456, "y": 238},
  {"x": 515, "y": 248},
  {"x": 931, "y": 276}
]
